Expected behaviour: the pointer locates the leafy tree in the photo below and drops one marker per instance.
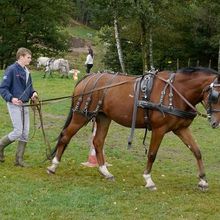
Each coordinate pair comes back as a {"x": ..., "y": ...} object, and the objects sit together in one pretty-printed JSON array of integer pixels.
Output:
[
  {"x": 206, "y": 34},
  {"x": 83, "y": 11},
  {"x": 33, "y": 24},
  {"x": 158, "y": 32}
]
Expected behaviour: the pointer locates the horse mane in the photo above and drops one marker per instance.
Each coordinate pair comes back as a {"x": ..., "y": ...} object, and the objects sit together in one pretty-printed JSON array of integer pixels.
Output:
[
  {"x": 111, "y": 72},
  {"x": 190, "y": 70}
]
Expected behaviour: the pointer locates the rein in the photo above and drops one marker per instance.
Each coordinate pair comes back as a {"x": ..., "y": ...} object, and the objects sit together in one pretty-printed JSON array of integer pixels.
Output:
[
  {"x": 37, "y": 104},
  {"x": 43, "y": 101}
]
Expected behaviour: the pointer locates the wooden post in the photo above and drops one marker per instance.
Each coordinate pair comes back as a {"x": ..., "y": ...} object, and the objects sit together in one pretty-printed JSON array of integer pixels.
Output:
[
  {"x": 177, "y": 63},
  {"x": 210, "y": 63},
  {"x": 189, "y": 62},
  {"x": 197, "y": 63}
]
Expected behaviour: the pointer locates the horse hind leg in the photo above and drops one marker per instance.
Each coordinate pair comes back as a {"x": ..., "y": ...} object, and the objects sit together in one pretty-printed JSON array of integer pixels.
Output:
[
  {"x": 76, "y": 123},
  {"x": 185, "y": 135},
  {"x": 102, "y": 126}
]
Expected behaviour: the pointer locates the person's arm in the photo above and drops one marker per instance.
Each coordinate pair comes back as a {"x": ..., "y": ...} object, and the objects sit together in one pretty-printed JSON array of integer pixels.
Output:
[
  {"x": 5, "y": 88},
  {"x": 6, "y": 85},
  {"x": 34, "y": 94}
]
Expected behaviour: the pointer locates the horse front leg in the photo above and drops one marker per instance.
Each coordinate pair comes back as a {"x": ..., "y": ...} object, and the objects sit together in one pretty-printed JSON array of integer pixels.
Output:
[
  {"x": 75, "y": 124},
  {"x": 102, "y": 126},
  {"x": 186, "y": 136},
  {"x": 156, "y": 138}
]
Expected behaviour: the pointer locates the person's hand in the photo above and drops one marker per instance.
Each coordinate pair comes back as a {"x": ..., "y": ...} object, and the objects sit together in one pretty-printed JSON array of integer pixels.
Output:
[
  {"x": 34, "y": 96},
  {"x": 16, "y": 101}
]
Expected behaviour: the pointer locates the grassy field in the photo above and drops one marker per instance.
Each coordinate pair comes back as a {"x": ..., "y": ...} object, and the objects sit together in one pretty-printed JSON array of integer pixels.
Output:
[{"x": 76, "y": 192}]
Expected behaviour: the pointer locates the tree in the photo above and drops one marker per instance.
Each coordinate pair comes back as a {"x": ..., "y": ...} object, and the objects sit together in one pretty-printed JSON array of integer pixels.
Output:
[
  {"x": 206, "y": 32},
  {"x": 105, "y": 12},
  {"x": 32, "y": 24},
  {"x": 118, "y": 44},
  {"x": 219, "y": 57},
  {"x": 83, "y": 11},
  {"x": 159, "y": 32}
]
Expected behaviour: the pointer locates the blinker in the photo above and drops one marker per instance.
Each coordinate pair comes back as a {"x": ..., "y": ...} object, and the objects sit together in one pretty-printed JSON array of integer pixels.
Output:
[{"x": 213, "y": 96}]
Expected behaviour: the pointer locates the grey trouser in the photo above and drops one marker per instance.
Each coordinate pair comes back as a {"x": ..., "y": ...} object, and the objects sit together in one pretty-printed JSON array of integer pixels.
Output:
[{"x": 20, "y": 121}]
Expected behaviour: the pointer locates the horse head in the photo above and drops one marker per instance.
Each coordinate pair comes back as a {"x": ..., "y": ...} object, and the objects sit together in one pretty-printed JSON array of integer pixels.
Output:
[{"x": 212, "y": 102}]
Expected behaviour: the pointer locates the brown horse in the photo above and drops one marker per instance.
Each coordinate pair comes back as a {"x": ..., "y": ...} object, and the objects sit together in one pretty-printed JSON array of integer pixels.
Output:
[{"x": 170, "y": 106}]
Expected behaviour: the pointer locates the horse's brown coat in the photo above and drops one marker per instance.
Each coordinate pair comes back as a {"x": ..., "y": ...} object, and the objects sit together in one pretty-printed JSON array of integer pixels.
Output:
[{"x": 118, "y": 106}]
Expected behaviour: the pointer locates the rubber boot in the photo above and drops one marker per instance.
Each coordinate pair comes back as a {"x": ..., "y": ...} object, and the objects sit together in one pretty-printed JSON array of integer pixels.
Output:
[
  {"x": 4, "y": 142},
  {"x": 19, "y": 158}
]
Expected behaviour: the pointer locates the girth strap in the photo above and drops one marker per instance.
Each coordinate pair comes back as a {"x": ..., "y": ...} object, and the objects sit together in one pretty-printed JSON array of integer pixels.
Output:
[
  {"x": 164, "y": 109},
  {"x": 134, "y": 115}
]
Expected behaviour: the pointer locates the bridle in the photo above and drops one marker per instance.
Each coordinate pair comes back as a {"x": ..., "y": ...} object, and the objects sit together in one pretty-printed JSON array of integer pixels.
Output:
[{"x": 213, "y": 97}]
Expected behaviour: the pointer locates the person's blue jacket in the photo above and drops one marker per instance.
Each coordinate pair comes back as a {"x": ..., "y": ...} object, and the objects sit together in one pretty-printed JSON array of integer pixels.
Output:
[{"x": 14, "y": 84}]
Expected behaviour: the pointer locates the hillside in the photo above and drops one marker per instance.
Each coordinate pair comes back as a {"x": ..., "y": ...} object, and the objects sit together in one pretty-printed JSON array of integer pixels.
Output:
[{"x": 82, "y": 37}]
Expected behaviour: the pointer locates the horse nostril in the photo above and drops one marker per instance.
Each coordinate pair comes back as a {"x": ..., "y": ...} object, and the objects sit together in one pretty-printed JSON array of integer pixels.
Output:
[{"x": 214, "y": 124}]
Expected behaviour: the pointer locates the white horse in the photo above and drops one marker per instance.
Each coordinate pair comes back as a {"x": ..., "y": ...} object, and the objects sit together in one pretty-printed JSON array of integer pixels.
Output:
[
  {"x": 42, "y": 61},
  {"x": 60, "y": 65}
]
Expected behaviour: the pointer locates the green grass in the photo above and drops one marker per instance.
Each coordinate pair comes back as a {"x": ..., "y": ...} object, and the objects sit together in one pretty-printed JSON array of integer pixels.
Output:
[
  {"x": 81, "y": 31},
  {"x": 76, "y": 192}
]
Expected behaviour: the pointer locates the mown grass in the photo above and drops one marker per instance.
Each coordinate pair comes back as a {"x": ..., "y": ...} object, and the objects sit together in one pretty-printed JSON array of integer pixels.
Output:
[{"x": 76, "y": 192}]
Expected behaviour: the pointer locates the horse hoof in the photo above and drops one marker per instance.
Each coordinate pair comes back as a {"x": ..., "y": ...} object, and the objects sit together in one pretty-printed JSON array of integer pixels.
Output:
[
  {"x": 203, "y": 185},
  {"x": 110, "y": 178},
  {"x": 151, "y": 188},
  {"x": 203, "y": 188},
  {"x": 50, "y": 171}
]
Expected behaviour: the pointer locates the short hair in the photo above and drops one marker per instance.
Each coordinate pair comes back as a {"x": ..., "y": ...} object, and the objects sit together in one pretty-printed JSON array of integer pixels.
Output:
[{"x": 22, "y": 51}]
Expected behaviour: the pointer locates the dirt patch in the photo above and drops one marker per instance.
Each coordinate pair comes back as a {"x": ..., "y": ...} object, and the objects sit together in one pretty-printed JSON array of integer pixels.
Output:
[
  {"x": 78, "y": 45},
  {"x": 77, "y": 42}
]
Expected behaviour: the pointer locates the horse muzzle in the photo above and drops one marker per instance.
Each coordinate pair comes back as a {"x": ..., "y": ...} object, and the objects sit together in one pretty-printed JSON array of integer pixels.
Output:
[{"x": 214, "y": 123}]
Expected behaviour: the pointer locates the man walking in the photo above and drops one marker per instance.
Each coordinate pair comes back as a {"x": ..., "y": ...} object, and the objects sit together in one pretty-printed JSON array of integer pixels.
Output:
[{"x": 16, "y": 89}]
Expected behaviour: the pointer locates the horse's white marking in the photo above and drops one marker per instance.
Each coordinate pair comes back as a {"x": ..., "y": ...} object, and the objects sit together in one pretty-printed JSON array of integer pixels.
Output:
[
  {"x": 103, "y": 169},
  {"x": 54, "y": 165},
  {"x": 131, "y": 96},
  {"x": 55, "y": 161},
  {"x": 188, "y": 146},
  {"x": 203, "y": 183},
  {"x": 149, "y": 182}
]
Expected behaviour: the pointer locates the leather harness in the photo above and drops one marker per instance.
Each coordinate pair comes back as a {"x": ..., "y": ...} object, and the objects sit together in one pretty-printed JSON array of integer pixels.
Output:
[{"x": 142, "y": 92}]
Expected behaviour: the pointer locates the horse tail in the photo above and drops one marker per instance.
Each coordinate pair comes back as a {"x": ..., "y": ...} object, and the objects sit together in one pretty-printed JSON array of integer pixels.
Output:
[
  {"x": 69, "y": 117},
  {"x": 68, "y": 120}
]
